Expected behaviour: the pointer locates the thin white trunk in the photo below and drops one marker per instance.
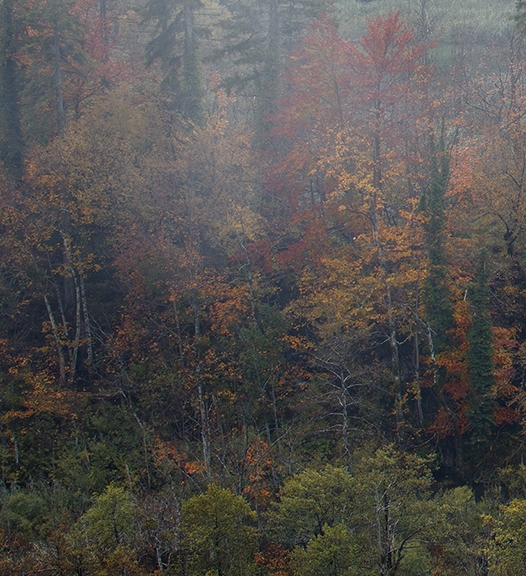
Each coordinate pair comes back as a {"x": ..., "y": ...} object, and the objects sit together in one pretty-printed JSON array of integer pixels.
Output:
[
  {"x": 205, "y": 434},
  {"x": 78, "y": 323},
  {"x": 78, "y": 312},
  {"x": 87, "y": 326},
  {"x": 56, "y": 334}
]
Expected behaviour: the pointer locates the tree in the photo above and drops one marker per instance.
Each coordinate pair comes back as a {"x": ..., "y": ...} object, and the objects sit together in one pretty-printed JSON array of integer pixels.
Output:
[
  {"x": 255, "y": 37},
  {"x": 53, "y": 45},
  {"x": 505, "y": 551},
  {"x": 354, "y": 110},
  {"x": 373, "y": 521},
  {"x": 217, "y": 533},
  {"x": 481, "y": 367},
  {"x": 520, "y": 14},
  {"x": 175, "y": 45},
  {"x": 329, "y": 553},
  {"x": 311, "y": 501},
  {"x": 11, "y": 144},
  {"x": 102, "y": 540},
  {"x": 392, "y": 504},
  {"x": 27, "y": 513},
  {"x": 459, "y": 534},
  {"x": 437, "y": 297}
]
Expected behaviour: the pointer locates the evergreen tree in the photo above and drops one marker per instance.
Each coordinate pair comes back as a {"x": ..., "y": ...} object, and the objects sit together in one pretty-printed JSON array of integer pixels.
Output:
[
  {"x": 11, "y": 142},
  {"x": 480, "y": 365},
  {"x": 257, "y": 36},
  {"x": 437, "y": 297},
  {"x": 436, "y": 292},
  {"x": 175, "y": 46},
  {"x": 54, "y": 57},
  {"x": 270, "y": 76}
]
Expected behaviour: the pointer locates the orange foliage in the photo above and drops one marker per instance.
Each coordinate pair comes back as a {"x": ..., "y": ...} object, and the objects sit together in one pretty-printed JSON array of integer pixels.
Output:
[
  {"x": 258, "y": 460},
  {"x": 166, "y": 453},
  {"x": 275, "y": 559}
]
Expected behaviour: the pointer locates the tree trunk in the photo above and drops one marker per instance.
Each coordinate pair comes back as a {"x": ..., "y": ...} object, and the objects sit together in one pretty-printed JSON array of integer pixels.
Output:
[
  {"x": 57, "y": 74},
  {"x": 56, "y": 335}
]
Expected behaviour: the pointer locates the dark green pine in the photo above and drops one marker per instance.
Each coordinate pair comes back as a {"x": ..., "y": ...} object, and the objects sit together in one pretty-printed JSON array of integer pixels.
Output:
[
  {"x": 11, "y": 141},
  {"x": 437, "y": 297},
  {"x": 174, "y": 45},
  {"x": 480, "y": 362}
]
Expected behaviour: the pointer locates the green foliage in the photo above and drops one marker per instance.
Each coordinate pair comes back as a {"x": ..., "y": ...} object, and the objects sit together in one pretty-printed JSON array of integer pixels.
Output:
[
  {"x": 392, "y": 508},
  {"x": 458, "y": 533},
  {"x": 342, "y": 524},
  {"x": 11, "y": 142},
  {"x": 217, "y": 533},
  {"x": 27, "y": 513},
  {"x": 103, "y": 537},
  {"x": 109, "y": 520},
  {"x": 520, "y": 14},
  {"x": 309, "y": 502},
  {"x": 480, "y": 365},
  {"x": 437, "y": 296},
  {"x": 175, "y": 46},
  {"x": 262, "y": 358},
  {"x": 507, "y": 549},
  {"x": 329, "y": 553},
  {"x": 513, "y": 480}
]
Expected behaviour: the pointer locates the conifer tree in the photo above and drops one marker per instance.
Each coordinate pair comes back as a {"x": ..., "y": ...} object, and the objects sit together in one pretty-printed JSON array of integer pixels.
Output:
[
  {"x": 269, "y": 79},
  {"x": 54, "y": 56},
  {"x": 480, "y": 363},
  {"x": 437, "y": 297},
  {"x": 11, "y": 142},
  {"x": 257, "y": 36},
  {"x": 436, "y": 293},
  {"x": 175, "y": 46}
]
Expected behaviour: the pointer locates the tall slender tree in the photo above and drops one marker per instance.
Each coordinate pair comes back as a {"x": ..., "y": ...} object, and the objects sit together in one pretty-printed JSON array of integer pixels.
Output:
[
  {"x": 11, "y": 141},
  {"x": 175, "y": 46},
  {"x": 437, "y": 297},
  {"x": 481, "y": 365},
  {"x": 256, "y": 38}
]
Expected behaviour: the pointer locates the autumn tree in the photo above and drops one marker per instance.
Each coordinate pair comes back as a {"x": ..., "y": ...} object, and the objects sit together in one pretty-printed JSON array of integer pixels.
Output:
[
  {"x": 358, "y": 104},
  {"x": 485, "y": 217},
  {"x": 208, "y": 341},
  {"x": 58, "y": 239}
]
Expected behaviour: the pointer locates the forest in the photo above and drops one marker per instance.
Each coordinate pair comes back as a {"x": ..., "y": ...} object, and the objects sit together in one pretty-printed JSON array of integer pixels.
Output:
[{"x": 262, "y": 287}]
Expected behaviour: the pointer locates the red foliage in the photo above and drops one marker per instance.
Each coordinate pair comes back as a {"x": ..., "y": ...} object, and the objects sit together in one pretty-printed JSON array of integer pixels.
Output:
[{"x": 275, "y": 559}]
